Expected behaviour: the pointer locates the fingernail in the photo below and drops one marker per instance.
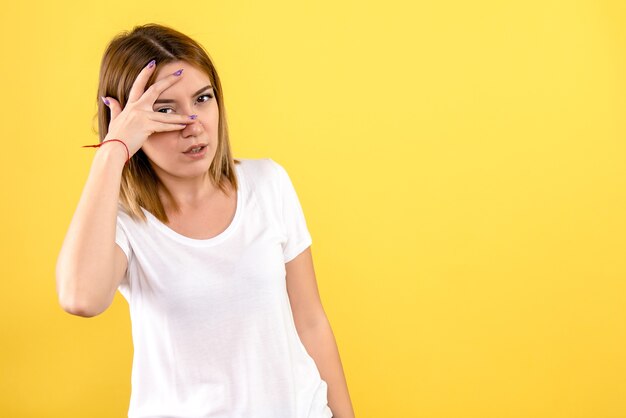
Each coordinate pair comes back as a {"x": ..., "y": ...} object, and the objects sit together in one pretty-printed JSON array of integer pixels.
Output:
[
  {"x": 193, "y": 117},
  {"x": 151, "y": 64},
  {"x": 105, "y": 100},
  {"x": 179, "y": 72}
]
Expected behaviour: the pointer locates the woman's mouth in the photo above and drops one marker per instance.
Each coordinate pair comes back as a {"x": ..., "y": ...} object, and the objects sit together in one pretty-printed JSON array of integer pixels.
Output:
[{"x": 196, "y": 152}]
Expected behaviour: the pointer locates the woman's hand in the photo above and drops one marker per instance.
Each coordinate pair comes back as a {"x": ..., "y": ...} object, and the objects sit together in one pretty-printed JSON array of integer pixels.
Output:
[{"x": 137, "y": 121}]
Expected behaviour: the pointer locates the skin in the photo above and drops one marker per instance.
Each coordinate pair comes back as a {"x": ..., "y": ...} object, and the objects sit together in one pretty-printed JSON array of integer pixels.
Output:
[
  {"x": 205, "y": 210},
  {"x": 186, "y": 178},
  {"x": 315, "y": 331}
]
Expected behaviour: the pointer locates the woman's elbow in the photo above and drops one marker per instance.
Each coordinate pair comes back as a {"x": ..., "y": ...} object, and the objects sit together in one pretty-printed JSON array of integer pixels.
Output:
[{"x": 74, "y": 305}]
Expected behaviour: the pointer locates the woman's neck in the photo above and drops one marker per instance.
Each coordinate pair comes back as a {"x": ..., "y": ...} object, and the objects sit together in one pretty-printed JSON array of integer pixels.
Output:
[{"x": 188, "y": 194}]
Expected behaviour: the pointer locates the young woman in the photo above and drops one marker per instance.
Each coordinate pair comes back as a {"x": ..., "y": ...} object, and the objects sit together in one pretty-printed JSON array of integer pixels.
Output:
[{"x": 212, "y": 254}]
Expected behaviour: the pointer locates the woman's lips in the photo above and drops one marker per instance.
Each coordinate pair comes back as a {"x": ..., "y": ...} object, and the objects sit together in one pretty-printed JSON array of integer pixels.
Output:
[
  {"x": 196, "y": 155},
  {"x": 194, "y": 146}
]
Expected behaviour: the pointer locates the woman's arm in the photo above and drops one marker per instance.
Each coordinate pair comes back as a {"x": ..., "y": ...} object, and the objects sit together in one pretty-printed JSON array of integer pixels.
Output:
[
  {"x": 315, "y": 331},
  {"x": 89, "y": 267}
]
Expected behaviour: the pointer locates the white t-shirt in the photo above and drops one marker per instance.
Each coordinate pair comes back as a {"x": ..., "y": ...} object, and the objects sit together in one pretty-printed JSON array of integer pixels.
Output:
[{"x": 212, "y": 327}]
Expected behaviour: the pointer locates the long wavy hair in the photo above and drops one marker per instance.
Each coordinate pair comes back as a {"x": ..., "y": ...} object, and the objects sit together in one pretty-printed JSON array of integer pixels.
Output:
[{"x": 126, "y": 55}]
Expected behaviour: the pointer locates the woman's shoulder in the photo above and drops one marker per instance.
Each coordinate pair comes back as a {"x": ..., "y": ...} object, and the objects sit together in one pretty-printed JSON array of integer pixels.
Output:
[{"x": 264, "y": 169}]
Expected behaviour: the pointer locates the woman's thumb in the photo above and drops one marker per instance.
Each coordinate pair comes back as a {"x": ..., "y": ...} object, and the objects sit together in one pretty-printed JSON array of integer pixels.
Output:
[{"x": 113, "y": 105}]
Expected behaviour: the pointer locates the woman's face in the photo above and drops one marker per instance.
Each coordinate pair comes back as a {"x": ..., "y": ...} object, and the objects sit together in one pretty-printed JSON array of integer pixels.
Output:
[{"x": 191, "y": 95}]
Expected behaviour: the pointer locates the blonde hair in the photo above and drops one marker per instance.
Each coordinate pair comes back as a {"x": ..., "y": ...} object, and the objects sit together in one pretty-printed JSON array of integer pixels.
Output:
[{"x": 126, "y": 55}]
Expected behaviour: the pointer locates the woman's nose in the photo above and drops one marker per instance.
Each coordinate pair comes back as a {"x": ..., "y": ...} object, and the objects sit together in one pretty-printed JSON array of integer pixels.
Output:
[{"x": 193, "y": 128}]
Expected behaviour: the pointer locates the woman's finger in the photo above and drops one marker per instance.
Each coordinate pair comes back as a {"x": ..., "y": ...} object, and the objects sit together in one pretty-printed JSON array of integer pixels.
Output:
[
  {"x": 167, "y": 127},
  {"x": 171, "y": 117},
  {"x": 155, "y": 90},
  {"x": 114, "y": 106},
  {"x": 139, "y": 84}
]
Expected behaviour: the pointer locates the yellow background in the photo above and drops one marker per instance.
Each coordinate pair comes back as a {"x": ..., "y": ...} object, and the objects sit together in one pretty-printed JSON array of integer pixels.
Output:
[{"x": 460, "y": 164}]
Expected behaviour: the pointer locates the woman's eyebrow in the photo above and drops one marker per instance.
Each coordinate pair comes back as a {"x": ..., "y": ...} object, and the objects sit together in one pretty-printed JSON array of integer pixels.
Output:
[{"x": 196, "y": 93}]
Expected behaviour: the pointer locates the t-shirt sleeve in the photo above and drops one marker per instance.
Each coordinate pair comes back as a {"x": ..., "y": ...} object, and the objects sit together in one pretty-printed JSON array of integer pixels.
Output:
[
  {"x": 292, "y": 217},
  {"x": 121, "y": 239}
]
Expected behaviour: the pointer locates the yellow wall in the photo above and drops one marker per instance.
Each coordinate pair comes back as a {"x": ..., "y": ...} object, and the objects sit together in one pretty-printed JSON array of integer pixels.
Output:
[{"x": 460, "y": 163}]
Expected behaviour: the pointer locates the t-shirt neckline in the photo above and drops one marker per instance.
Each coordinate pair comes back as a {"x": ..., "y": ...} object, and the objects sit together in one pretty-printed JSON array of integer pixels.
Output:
[{"x": 153, "y": 220}]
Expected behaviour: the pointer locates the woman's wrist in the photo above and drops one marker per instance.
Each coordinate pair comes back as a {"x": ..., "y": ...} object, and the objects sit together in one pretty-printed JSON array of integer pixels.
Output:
[
  {"x": 107, "y": 145},
  {"x": 113, "y": 152}
]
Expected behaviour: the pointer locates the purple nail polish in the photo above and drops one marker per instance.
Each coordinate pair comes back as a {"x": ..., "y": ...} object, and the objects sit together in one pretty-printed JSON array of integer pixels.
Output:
[
  {"x": 179, "y": 72},
  {"x": 193, "y": 117},
  {"x": 151, "y": 64},
  {"x": 105, "y": 100}
]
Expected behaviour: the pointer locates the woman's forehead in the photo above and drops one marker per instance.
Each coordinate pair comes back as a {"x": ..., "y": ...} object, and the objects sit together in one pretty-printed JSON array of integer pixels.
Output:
[{"x": 191, "y": 79}]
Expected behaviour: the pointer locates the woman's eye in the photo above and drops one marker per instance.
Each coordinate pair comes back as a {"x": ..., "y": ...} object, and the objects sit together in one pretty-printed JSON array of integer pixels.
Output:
[
  {"x": 208, "y": 97},
  {"x": 203, "y": 98}
]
